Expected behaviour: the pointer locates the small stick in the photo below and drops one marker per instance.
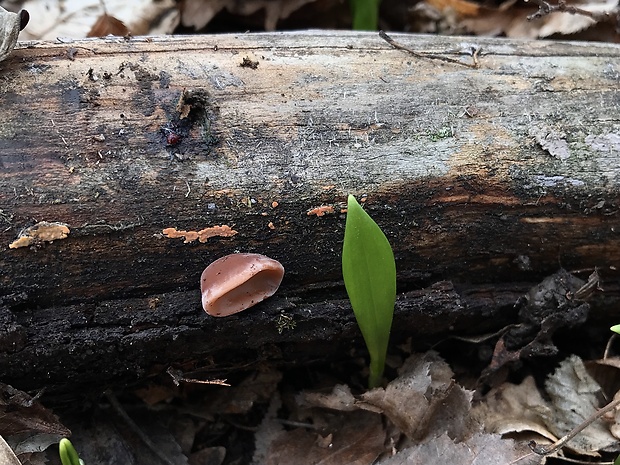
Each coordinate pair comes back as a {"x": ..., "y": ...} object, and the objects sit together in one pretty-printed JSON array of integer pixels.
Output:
[
  {"x": 545, "y": 8},
  {"x": 551, "y": 448},
  {"x": 178, "y": 376},
  {"x": 431, "y": 56}
]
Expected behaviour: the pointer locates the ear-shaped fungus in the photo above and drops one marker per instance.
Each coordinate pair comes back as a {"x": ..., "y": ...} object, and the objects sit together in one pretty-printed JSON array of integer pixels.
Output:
[{"x": 238, "y": 281}]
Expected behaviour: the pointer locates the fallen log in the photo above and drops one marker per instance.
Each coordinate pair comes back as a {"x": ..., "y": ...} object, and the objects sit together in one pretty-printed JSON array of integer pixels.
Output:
[{"x": 493, "y": 169}]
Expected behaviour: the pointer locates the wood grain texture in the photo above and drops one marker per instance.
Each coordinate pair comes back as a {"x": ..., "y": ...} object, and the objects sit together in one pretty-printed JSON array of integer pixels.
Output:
[{"x": 498, "y": 174}]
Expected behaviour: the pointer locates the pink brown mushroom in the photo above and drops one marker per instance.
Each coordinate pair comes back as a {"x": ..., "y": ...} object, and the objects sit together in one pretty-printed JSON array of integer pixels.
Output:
[{"x": 238, "y": 281}]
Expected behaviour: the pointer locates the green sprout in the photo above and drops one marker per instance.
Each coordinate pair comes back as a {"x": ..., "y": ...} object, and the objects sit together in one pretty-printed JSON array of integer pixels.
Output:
[
  {"x": 68, "y": 454},
  {"x": 369, "y": 274},
  {"x": 365, "y": 14}
]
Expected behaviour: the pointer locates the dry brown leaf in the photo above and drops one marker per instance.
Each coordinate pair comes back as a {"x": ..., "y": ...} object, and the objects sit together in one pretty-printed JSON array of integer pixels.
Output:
[
  {"x": 435, "y": 404},
  {"x": 106, "y": 25},
  {"x": 26, "y": 425},
  {"x": 514, "y": 408},
  {"x": 340, "y": 398},
  {"x": 356, "y": 439},
  {"x": 463, "y": 8},
  {"x": 545, "y": 308},
  {"x": 606, "y": 372},
  {"x": 75, "y": 18},
  {"x": 198, "y": 13},
  {"x": 511, "y": 20},
  {"x": 564, "y": 23},
  {"x": 480, "y": 449},
  {"x": 574, "y": 396},
  {"x": 10, "y": 25},
  {"x": 424, "y": 385}
]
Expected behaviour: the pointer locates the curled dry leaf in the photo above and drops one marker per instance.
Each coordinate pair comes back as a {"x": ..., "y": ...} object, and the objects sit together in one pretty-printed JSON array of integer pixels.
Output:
[
  {"x": 515, "y": 408},
  {"x": 435, "y": 403},
  {"x": 574, "y": 396},
  {"x": 10, "y": 25}
]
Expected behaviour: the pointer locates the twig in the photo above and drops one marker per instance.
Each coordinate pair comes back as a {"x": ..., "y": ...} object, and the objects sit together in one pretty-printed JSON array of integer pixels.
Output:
[
  {"x": 545, "y": 8},
  {"x": 431, "y": 56},
  {"x": 551, "y": 448},
  {"x": 178, "y": 377},
  {"x": 136, "y": 429}
]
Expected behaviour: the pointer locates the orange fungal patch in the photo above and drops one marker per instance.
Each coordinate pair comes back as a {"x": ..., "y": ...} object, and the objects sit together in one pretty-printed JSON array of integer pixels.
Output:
[
  {"x": 202, "y": 235},
  {"x": 322, "y": 210}
]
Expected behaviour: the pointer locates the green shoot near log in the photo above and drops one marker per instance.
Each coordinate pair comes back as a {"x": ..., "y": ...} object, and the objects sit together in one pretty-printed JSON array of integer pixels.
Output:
[{"x": 369, "y": 275}]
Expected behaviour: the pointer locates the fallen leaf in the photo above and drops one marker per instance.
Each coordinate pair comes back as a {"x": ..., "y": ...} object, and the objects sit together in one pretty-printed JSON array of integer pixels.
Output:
[
  {"x": 10, "y": 25},
  {"x": 198, "y": 13},
  {"x": 480, "y": 449},
  {"x": 7, "y": 457},
  {"x": 357, "y": 439},
  {"x": 26, "y": 425},
  {"x": 514, "y": 408},
  {"x": 106, "y": 25},
  {"x": 340, "y": 398},
  {"x": 511, "y": 18},
  {"x": 425, "y": 386},
  {"x": 547, "y": 307},
  {"x": 575, "y": 396},
  {"x": 22, "y": 413},
  {"x": 75, "y": 18}
]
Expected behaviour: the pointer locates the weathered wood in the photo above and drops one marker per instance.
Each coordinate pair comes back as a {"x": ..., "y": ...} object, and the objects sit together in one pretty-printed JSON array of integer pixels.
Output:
[
  {"x": 497, "y": 174},
  {"x": 447, "y": 155}
]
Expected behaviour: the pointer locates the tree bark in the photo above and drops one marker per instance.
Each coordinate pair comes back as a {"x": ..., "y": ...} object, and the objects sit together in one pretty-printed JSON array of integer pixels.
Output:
[{"x": 495, "y": 174}]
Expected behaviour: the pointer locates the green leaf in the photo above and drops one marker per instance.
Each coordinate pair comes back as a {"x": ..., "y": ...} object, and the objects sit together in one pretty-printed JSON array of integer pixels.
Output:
[
  {"x": 617, "y": 461},
  {"x": 369, "y": 275},
  {"x": 365, "y": 14},
  {"x": 68, "y": 454},
  {"x": 615, "y": 329}
]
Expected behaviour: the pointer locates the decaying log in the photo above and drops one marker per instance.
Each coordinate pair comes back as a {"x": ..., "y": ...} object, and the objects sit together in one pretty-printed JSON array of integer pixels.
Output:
[{"x": 487, "y": 175}]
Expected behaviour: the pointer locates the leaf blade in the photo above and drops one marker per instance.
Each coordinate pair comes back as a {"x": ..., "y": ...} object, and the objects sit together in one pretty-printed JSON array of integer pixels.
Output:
[{"x": 369, "y": 273}]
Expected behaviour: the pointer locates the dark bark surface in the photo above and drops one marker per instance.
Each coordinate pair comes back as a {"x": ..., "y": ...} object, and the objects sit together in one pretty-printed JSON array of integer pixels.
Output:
[{"x": 129, "y": 339}]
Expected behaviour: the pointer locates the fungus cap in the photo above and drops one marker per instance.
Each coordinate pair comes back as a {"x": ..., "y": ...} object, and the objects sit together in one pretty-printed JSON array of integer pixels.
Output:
[{"x": 238, "y": 281}]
